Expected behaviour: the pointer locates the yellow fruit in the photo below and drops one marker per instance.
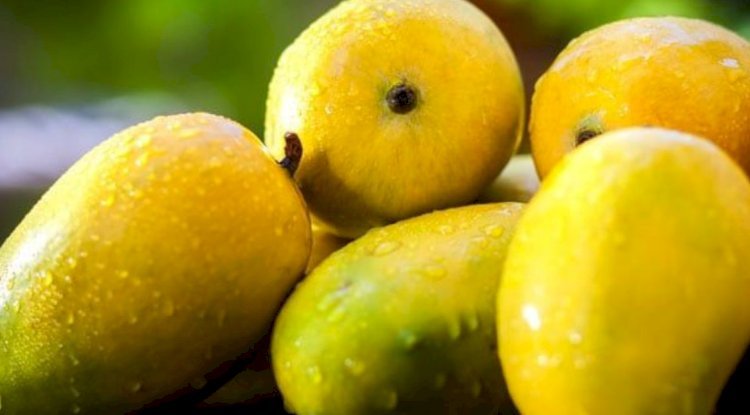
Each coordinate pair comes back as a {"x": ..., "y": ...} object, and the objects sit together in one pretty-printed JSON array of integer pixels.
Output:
[
  {"x": 518, "y": 182},
  {"x": 400, "y": 321},
  {"x": 161, "y": 254},
  {"x": 677, "y": 73},
  {"x": 625, "y": 287},
  {"x": 257, "y": 381},
  {"x": 403, "y": 107},
  {"x": 324, "y": 244}
]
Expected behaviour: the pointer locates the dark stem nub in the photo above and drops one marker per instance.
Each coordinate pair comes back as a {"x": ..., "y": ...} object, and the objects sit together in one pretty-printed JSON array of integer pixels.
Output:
[
  {"x": 402, "y": 98},
  {"x": 292, "y": 153}
]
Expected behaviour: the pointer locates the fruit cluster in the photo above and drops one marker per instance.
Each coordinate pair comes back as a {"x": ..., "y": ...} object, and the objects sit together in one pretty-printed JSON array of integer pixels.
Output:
[{"x": 153, "y": 270}]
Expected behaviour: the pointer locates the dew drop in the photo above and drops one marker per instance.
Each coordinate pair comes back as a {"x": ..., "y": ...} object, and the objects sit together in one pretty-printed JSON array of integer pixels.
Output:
[
  {"x": 480, "y": 241},
  {"x": 143, "y": 140},
  {"x": 385, "y": 248},
  {"x": 730, "y": 63},
  {"x": 446, "y": 229},
  {"x": 46, "y": 278},
  {"x": 494, "y": 231},
  {"x": 336, "y": 314},
  {"x": 142, "y": 159},
  {"x": 542, "y": 360},
  {"x": 354, "y": 366},
  {"x": 75, "y": 409},
  {"x": 75, "y": 392},
  {"x": 108, "y": 201},
  {"x": 531, "y": 316},
  {"x": 313, "y": 372},
  {"x": 188, "y": 133},
  {"x": 136, "y": 387}
]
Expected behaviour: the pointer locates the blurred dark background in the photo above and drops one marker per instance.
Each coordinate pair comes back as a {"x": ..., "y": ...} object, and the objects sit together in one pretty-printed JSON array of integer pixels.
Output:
[{"x": 72, "y": 73}]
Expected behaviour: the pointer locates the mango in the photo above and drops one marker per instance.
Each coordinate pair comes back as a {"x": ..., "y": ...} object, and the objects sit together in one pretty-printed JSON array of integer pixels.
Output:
[
  {"x": 159, "y": 257},
  {"x": 518, "y": 182},
  {"x": 625, "y": 288},
  {"x": 403, "y": 107},
  {"x": 401, "y": 320},
  {"x": 677, "y": 73}
]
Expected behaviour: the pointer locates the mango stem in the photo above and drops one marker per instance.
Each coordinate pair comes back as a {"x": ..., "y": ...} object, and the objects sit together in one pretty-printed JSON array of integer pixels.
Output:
[{"x": 292, "y": 153}]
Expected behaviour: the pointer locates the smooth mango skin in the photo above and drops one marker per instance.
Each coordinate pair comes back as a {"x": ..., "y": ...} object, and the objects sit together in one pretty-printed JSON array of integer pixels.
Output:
[
  {"x": 625, "y": 287},
  {"x": 161, "y": 254},
  {"x": 257, "y": 382},
  {"x": 400, "y": 321},
  {"x": 367, "y": 166},
  {"x": 683, "y": 74},
  {"x": 518, "y": 182}
]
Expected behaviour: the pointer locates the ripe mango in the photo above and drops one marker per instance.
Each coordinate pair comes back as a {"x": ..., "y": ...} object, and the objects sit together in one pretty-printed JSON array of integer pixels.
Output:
[
  {"x": 683, "y": 74},
  {"x": 385, "y": 93},
  {"x": 162, "y": 254},
  {"x": 625, "y": 291},
  {"x": 256, "y": 381},
  {"x": 401, "y": 320}
]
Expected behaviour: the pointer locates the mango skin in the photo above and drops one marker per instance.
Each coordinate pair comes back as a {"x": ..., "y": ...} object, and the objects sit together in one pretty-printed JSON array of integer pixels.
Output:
[
  {"x": 366, "y": 166},
  {"x": 400, "y": 320},
  {"x": 147, "y": 265},
  {"x": 324, "y": 244},
  {"x": 683, "y": 74},
  {"x": 257, "y": 382},
  {"x": 518, "y": 182},
  {"x": 625, "y": 288}
]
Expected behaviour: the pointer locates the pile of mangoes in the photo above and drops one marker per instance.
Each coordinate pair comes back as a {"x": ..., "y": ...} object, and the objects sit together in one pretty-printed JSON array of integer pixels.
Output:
[{"x": 161, "y": 263}]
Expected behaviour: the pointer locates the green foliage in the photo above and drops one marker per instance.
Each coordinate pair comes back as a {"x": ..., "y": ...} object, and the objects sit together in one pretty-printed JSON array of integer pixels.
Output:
[
  {"x": 211, "y": 55},
  {"x": 571, "y": 17}
]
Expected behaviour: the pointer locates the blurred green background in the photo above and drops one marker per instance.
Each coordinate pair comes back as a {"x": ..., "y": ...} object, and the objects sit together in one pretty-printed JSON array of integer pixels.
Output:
[{"x": 71, "y": 73}]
